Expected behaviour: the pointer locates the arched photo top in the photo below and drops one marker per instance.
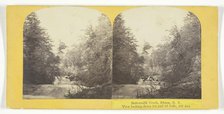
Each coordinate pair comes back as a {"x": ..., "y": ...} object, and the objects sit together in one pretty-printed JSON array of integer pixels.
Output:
[
  {"x": 157, "y": 50},
  {"x": 67, "y": 54},
  {"x": 152, "y": 24},
  {"x": 67, "y": 24}
]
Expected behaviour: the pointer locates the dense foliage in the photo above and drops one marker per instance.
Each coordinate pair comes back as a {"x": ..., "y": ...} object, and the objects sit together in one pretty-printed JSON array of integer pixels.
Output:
[
  {"x": 90, "y": 61},
  {"x": 127, "y": 64},
  {"x": 177, "y": 63},
  {"x": 106, "y": 56},
  {"x": 40, "y": 64}
]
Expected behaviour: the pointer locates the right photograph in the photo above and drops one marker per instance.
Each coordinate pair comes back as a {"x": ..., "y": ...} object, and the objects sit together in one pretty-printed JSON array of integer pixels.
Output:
[{"x": 156, "y": 54}]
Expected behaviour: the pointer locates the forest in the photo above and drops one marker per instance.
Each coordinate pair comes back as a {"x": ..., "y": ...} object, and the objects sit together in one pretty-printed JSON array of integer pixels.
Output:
[
  {"x": 87, "y": 66},
  {"x": 106, "y": 64},
  {"x": 169, "y": 70}
]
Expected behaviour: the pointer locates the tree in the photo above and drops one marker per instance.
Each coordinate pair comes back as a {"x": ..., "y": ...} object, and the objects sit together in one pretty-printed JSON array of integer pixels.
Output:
[
  {"x": 179, "y": 61},
  {"x": 61, "y": 47},
  {"x": 146, "y": 47},
  {"x": 40, "y": 64},
  {"x": 127, "y": 66},
  {"x": 60, "y": 56},
  {"x": 92, "y": 59},
  {"x": 185, "y": 46}
]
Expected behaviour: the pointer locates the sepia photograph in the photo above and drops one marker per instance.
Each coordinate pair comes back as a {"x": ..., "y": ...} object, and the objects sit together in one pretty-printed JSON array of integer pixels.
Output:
[
  {"x": 156, "y": 54},
  {"x": 144, "y": 53},
  {"x": 67, "y": 54}
]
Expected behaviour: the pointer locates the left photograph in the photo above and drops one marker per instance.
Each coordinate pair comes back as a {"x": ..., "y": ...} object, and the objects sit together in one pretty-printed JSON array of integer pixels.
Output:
[{"x": 67, "y": 54}]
